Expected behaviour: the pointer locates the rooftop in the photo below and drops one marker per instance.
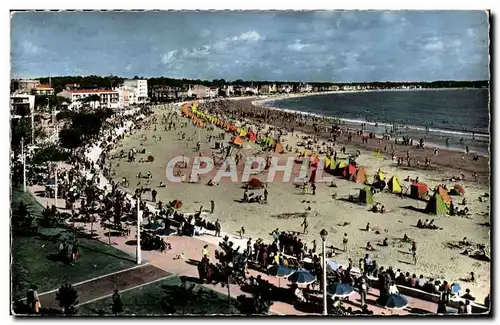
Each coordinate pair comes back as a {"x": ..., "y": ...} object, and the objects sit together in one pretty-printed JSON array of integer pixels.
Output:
[
  {"x": 44, "y": 87},
  {"x": 94, "y": 91}
]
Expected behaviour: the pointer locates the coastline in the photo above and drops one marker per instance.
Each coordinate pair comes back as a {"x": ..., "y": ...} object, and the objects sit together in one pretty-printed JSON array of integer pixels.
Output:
[
  {"x": 259, "y": 220},
  {"x": 448, "y": 159}
]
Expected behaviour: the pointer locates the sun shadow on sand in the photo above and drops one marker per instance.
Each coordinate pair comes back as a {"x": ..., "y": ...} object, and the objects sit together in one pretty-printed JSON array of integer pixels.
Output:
[
  {"x": 292, "y": 215},
  {"x": 412, "y": 208},
  {"x": 405, "y": 262},
  {"x": 131, "y": 242}
]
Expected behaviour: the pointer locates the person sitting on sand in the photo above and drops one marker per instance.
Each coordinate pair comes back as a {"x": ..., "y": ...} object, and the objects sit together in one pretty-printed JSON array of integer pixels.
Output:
[
  {"x": 382, "y": 209},
  {"x": 385, "y": 242},
  {"x": 426, "y": 223},
  {"x": 420, "y": 224},
  {"x": 369, "y": 246},
  {"x": 432, "y": 225},
  {"x": 406, "y": 238},
  {"x": 367, "y": 228},
  {"x": 468, "y": 295},
  {"x": 465, "y": 242}
]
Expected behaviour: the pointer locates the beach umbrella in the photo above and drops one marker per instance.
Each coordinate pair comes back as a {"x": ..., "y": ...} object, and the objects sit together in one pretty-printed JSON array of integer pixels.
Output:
[
  {"x": 339, "y": 289},
  {"x": 455, "y": 288},
  {"x": 332, "y": 265},
  {"x": 302, "y": 276},
  {"x": 393, "y": 301},
  {"x": 281, "y": 271}
]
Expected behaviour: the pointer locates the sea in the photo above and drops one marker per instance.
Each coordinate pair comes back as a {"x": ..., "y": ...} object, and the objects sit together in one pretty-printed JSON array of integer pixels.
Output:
[{"x": 444, "y": 118}]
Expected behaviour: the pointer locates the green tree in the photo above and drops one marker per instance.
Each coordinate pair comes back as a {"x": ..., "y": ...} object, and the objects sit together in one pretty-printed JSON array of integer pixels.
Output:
[
  {"x": 67, "y": 297},
  {"x": 20, "y": 128},
  {"x": 50, "y": 218}
]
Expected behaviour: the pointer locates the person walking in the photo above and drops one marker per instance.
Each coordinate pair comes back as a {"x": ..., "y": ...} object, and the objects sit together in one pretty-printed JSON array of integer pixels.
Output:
[
  {"x": 363, "y": 291},
  {"x": 414, "y": 252},
  {"x": 212, "y": 207},
  {"x": 344, "y": 242},
  {"x": 153, "y": 195},
  {"x": 205, "y": 252},
  {"x": 266, "y": 193},
  {"x": 217, "y": 228},
  {"x": 305, "y": 224},
  {"x": 313, "y": 188}
]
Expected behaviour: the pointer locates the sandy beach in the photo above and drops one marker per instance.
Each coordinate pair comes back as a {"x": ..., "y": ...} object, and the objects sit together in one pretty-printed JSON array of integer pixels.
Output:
[{"x": 438, "y": 254}]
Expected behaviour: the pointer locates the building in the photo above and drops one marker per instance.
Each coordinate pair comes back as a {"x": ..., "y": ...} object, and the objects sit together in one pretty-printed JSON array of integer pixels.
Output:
[
  {"x": 200, "y": 91},
  {"x": 305, "y": 88},
  {"x": 268, "y": 89},
  {"x": 106, "y": 98},
  {"x": 46, "y": 90},
  {"x": 227, "y": 91},
  {"x": 72, "y": 86},
  {"x": 285, "y": 89},
  {"x": 22, "y": 104},
  {"x": 24, "y": 85},
  {"x": 213, "y": 92},
  {"x": 139, "y": 88}
]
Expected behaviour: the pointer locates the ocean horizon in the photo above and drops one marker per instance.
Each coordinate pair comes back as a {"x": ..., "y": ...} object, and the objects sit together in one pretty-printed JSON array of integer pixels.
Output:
[{"x": 417, "y": 113}]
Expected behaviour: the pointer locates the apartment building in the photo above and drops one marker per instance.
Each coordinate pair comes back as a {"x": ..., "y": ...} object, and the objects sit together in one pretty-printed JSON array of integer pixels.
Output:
[
  {"x": 22, "y": 104},
  {"x": 137, "y": 90},
  {"x": 106, "y": 98}
]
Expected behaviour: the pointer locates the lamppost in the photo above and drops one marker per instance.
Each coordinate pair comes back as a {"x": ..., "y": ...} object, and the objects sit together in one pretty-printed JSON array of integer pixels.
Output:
[
  {"x": 323, "y": 235},
  {"x": 23, "y": 157},
  {"x": 139, "y": 221}
]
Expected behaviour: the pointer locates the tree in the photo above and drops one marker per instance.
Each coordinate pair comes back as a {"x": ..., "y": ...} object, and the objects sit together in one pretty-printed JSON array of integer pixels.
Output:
[
  {"x": 230, "y": 266},
  {"x": 117, "y": 306},
  {"x": 20, "y": 128},
  {"x": 181, "y": 296},
  {"x": 22, "y": 218},
  {"x": 67, "y": 298},
  {"x": 50, "y": 218},
  {"x": 70, "y": 138}
]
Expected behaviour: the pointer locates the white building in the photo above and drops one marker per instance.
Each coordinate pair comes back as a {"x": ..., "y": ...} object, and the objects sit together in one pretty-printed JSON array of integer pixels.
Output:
[
  {"x": 200, "y": 91},
  {"x": 106, "y": 98},
  {"x": 22, "y": 104},
  {"x": 137, "y": 90}
]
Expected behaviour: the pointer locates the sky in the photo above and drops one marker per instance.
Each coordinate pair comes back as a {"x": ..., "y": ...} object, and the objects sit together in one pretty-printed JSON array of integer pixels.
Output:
[{"x": 329, "y": 46}]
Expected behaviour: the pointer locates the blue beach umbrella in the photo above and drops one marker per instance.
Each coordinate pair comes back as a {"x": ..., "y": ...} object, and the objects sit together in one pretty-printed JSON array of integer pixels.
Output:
[
  {"x": 455, "y": 288},
  {"x": 339, "y": 289},
  {"x": 280, "y": 271},
  {"x": 393, "y": 301},
  {"x": 302, "y": 276}
]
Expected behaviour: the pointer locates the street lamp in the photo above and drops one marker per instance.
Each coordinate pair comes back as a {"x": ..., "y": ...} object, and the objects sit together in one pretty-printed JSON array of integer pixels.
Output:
[{"x": 323, "y": 235}]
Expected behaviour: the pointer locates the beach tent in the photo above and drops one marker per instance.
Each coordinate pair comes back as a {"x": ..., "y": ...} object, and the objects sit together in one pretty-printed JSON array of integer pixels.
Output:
[
  {"x": 359, "y": 176},
  {"x": 365, "y": 195},
  {"x": 457, "y": 190},
  {"x": 328, "y": 163},
  {"x": 444, "y": 194},
  {"x": 379, "y": 176},
  {"x": 237, "y": 140},
  {"x": 251, "y": 136},
  {"x": 418, "y": 190},
  {"x": 278, "y": 148},
  {"x": 255, "y": 183},
  {"x": 349, "y": 170},
  {"x": 339, "y": 168},
  {"x": 394, "y": 184},
  {"x": 436, "y": 205}
]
